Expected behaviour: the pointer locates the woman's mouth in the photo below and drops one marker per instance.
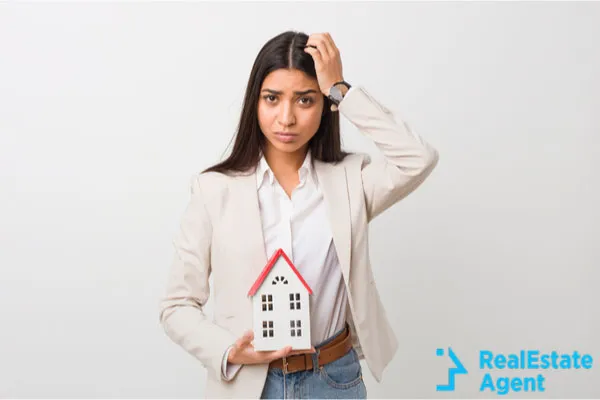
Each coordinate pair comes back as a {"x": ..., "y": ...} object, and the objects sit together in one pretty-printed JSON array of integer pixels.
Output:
[{"x": 286, "y": 137}]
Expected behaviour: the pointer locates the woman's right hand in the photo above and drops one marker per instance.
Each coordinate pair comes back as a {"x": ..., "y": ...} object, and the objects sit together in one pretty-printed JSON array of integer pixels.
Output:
[{"x": 243, "y": 352}]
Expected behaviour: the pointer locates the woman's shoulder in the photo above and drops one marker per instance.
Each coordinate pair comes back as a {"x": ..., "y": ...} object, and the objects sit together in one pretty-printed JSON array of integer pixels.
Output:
[
  {"x": 211, "y": 182},
  {"x": 356, "y": 159},
  {"x": 210, "y": 178}
]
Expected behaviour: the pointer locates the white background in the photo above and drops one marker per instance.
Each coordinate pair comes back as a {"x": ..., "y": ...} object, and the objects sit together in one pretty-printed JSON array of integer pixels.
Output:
[{"x": 106, "y": 111}]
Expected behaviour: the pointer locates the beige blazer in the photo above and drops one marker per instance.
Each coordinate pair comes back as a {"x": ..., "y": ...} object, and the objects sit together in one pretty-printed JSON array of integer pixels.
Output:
[{"x": 221, "y": 235}]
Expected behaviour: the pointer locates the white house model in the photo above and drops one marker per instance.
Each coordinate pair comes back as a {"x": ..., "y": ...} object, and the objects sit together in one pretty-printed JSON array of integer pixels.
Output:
[{"x": 280, "y": 306}]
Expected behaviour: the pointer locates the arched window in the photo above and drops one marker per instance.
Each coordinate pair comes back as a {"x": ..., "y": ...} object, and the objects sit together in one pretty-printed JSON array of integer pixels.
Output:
[{"x": 280, "y": 279}]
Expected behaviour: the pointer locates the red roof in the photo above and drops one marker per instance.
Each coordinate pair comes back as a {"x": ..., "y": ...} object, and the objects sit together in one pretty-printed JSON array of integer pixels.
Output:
[{"x": 268, "y": 268}]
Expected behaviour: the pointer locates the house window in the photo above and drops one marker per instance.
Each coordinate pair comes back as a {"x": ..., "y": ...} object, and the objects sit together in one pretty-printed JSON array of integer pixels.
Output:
[
  {"x": 279, "y": 279},
  {"x": 296, "y": 328},
  {"x": 294, "y": 301},
  {"x": 267, "y": 328},
  {"x": 267, "y": 302}
]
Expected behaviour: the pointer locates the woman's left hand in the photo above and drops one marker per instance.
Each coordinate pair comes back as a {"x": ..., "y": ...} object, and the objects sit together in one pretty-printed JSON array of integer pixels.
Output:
[{"x": 328, "y": 63}]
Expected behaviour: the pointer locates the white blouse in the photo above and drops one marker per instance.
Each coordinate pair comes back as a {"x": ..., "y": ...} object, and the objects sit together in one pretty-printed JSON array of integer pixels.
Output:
[{"x": 299, "y": 225}]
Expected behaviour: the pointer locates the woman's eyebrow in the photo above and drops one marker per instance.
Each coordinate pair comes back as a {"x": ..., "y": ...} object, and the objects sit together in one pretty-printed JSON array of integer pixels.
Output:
[{"x": 296, "y": 93}]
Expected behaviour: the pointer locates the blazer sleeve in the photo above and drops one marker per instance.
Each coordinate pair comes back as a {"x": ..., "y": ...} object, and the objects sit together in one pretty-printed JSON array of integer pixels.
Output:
[
  {"x": 407, "y": 161},
  {"x": 181, "y": 309}
]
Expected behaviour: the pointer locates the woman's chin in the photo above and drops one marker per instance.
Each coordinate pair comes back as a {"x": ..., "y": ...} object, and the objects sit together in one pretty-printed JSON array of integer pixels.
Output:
[{"x": 288, "y": 147}]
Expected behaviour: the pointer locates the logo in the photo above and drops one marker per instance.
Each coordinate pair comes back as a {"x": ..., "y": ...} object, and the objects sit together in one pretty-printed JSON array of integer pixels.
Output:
[
  {"x": 529, "y": 368},
  {"x": 458, "y": 368}
]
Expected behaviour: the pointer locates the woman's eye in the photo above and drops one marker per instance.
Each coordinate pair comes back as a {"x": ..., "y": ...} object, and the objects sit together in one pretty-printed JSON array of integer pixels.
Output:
[
  {"x": 269, "y": 97},
  {"x": 308, "y": 100}
]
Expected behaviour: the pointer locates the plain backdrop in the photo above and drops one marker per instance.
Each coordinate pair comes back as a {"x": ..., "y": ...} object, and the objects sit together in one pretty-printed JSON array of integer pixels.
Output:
[{"x": 108, "y": 109}]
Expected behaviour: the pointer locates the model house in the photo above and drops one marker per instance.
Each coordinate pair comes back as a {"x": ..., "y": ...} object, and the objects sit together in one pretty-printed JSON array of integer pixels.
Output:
[{"x": 280, "y": 305}]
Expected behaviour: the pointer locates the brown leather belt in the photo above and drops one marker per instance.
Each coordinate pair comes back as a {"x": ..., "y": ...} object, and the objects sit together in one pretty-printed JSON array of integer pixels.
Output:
[{"x": 333, "y": 350}]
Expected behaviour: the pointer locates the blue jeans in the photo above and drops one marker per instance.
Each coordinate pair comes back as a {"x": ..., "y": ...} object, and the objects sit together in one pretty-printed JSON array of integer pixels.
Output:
[{"x": 340, "y": 379}]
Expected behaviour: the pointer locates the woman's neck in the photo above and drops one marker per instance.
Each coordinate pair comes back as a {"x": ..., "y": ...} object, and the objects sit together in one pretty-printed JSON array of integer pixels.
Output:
[{"x": 283, "y": 163}]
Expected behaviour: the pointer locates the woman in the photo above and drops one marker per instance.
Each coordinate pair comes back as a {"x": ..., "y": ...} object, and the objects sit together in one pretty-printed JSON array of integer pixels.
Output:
[{"x": 287, "y": 184}]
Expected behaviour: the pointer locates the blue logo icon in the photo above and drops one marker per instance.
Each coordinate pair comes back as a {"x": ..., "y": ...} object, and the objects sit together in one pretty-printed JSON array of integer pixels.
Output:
[{"x": 457, "y": 369}]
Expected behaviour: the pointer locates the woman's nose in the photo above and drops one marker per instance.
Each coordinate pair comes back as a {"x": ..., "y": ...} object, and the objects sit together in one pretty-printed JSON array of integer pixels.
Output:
[{"x": 286, "y": 116}]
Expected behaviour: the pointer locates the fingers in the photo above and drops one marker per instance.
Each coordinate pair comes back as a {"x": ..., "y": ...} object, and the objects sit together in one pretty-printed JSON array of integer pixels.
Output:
[
  {"x": 279, "y": 353},
  {"x": 324, "y": 44},
  {"x": 268, "y": 356},
  {"x": 319, "y": 41},
  {"x": 287, "y": 351},
  {"x": 243, "y": 352},
  {"x": 316, "y": 55},
  {"x": 241, "y": 344},
  {"x": 327, "y": 41},
  {"x": 332, "y": 44},
  {"x": 294, "y": 352},
  {"x": 245, "y": 340}
]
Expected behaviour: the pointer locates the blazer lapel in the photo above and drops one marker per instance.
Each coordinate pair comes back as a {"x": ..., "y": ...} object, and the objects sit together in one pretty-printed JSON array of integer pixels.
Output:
[
  {"x": 250, "y": 223},
  {"x": 332, "y": 182}
]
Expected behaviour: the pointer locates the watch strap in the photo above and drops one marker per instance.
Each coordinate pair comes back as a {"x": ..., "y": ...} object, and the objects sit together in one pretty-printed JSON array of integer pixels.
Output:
[
  {"x": 343, "y": 83},
  {"x": 335, "y": 102}
]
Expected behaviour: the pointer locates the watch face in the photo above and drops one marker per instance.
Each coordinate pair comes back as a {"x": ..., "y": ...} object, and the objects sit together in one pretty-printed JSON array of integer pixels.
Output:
[{"x": 335, "y": 93}]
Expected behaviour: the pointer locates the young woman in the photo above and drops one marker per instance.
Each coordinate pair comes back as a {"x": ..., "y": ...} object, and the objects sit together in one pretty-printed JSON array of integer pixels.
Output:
[{"x": 287, "y": 184}]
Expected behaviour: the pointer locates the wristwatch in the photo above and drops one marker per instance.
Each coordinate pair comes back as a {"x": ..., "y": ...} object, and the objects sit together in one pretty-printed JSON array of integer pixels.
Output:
[{"x": 335, "y": 94}]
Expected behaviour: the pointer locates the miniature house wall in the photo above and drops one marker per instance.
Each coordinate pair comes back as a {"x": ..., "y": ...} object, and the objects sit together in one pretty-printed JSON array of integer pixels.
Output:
[{"x": 280, "y": 304}]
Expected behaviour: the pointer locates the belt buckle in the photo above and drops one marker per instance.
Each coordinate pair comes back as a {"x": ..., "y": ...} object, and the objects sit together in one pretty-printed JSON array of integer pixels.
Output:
[{"x": 285, "y": 365}]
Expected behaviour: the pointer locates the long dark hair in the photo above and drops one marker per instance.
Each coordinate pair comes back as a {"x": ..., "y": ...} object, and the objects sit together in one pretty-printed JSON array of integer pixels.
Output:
[{"x": 285, "y": 50}]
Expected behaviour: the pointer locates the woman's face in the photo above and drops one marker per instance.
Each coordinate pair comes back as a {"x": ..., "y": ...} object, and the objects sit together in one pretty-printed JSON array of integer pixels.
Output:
[{"x": 289, "y": 110}]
